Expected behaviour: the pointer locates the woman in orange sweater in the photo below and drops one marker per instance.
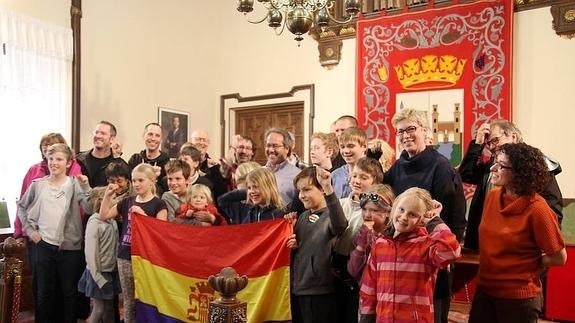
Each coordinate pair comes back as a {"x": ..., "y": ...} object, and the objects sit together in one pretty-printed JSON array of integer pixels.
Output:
[{"x": 518, "y": 238}]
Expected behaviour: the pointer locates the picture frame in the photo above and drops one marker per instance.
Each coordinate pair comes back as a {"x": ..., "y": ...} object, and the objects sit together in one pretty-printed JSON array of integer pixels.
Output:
[{"x": 175, "y": 129}]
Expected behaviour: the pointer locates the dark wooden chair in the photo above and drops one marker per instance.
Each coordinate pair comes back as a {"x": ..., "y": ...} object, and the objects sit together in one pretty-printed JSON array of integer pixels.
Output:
[{"x": 10, "y": 279}]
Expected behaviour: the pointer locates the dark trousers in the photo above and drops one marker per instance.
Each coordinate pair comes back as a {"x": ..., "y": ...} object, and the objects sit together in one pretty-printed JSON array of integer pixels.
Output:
[
  {"x": 486, "y": 308},
  {"x": 57, "y": 273},
  {"x": 442, "y": 295},
  {"x": 346, "y": 291},
  {"x": 313, "y": 308}
]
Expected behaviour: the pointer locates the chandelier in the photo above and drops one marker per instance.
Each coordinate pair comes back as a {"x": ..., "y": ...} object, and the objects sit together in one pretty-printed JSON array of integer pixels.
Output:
[{"x": 299, "y": 15}]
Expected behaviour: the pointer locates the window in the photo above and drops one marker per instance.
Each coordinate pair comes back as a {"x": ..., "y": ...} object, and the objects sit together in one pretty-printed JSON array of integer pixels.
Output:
[{"x": 35, "y": 94}]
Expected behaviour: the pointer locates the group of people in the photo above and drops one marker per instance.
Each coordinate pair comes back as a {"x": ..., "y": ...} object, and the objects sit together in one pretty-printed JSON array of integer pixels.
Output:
[{"x": 374, "y": 238}]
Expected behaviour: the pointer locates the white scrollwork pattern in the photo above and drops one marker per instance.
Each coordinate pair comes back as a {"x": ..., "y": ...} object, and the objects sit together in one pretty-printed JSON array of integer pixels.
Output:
[{"x": 483, "y": 29}]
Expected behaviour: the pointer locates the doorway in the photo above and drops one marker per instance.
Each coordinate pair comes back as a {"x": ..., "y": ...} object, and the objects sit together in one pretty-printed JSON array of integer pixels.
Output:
[{"x": 255, "y": 120}]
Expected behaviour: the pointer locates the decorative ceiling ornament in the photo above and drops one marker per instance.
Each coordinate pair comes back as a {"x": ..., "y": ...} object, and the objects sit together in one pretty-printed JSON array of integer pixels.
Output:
[
  {"x": 299, "y": 16},
  {"x": 564, "y": 19}
]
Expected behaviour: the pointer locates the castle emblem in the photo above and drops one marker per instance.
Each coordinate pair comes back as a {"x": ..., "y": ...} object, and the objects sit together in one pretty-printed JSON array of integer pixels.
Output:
[{"x": 200, "y": 297}]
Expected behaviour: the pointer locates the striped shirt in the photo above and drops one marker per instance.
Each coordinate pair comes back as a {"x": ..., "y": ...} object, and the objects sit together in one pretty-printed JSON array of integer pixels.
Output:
[{"x": 398, "y": 281}]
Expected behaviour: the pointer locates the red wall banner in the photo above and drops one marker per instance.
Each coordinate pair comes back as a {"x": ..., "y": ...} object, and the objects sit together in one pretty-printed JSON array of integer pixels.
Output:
[{"x": 452, "y": 62}]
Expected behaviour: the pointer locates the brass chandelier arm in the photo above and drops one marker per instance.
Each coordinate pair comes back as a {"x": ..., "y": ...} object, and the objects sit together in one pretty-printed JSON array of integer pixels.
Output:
[
  {"x": 281, "y": 30},
  {"x": 350, "y": 18},
  {"x": 257, "y": 21}
]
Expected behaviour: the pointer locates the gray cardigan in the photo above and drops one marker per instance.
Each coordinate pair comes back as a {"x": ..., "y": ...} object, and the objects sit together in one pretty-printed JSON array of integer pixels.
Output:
[{"x": 69, "y": 231}]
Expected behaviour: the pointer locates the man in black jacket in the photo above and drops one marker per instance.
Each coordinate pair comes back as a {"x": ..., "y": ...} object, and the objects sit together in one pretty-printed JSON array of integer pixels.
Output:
[
  {"x": 153, "y": 155},
  {"x": 474, "y": 169}
]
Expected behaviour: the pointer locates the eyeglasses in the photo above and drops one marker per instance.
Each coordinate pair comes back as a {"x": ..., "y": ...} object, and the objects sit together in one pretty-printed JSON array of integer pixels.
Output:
[
  {"x": 498, "y": 165},
  {"x": 200, "y": 139},
  {"x": 375, "y": 198},
  {"x": 244, "y": 147},
  {"x": 409, "y": 130},
  {"x": 274, "y": 146},
  {"x": 493, "y": 141}
]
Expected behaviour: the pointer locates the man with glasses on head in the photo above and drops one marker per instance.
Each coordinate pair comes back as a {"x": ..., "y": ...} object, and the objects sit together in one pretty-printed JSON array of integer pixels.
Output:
[
  {"x": 474, "y": 169},
  {"x": 420, "y": 165}
]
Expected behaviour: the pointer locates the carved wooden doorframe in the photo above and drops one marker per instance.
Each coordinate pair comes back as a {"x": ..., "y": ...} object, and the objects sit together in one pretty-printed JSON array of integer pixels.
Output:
[{"x": 229, "y": 103}]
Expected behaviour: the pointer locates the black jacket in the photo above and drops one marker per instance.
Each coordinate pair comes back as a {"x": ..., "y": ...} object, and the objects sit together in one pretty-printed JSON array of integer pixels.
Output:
[{"x": 474, "y": 171}]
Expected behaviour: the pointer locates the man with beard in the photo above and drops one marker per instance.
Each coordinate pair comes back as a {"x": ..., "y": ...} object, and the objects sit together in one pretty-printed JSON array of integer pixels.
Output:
[
  {"x": 106, "y": 150},
  {"x": 241, "y": 150},
  {"x": 153, "y": 155},
  {"x": 278, "y": 146}
]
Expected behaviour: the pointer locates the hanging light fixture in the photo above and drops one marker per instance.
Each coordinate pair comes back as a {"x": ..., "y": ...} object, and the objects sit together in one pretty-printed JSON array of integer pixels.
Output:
[{"x": 299, "y": 15}]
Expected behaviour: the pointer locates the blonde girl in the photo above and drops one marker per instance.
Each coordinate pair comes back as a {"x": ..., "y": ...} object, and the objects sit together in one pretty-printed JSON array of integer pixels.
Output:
[
  {"x": 398, "y": 281},
  {"x": 199, "y": 207},
  {"x": 145, "y": 202},
  {"x": 263, "y": 196},
  {"x": 100, "y": 280},
  {"x": 233, "y": 203}
]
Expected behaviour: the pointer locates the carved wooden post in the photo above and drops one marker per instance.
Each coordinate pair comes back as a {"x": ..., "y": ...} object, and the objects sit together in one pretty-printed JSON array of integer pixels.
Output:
[
  {"x": 227, "y": 309},
  {"x": 10, "y": 280}
]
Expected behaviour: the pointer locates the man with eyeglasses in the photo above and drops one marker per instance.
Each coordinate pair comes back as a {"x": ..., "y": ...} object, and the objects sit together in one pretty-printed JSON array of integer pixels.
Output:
[
  {"x": 474, "y": 169},
  {"x": 210, "y": 167},
  {"x": 241, "y": 150},
  {"x": 278, "y": 146}
]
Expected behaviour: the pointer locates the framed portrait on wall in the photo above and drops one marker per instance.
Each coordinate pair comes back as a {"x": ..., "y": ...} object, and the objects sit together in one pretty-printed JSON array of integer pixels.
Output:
[{"x": 174, "y": 125}]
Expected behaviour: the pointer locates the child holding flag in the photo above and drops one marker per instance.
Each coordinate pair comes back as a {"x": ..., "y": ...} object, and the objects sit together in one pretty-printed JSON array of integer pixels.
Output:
[
  {"x": 312, "y": 281},
  {"x": 145, "y": 203}
]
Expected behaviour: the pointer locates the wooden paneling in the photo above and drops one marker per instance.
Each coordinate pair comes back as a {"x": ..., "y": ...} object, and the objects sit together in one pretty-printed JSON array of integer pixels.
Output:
[{"x": 254, "y": 121}]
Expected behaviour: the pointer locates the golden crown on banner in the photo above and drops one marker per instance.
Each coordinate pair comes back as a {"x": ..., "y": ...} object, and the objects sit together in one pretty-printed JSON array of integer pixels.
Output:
[{"x": 428, "y": 72}]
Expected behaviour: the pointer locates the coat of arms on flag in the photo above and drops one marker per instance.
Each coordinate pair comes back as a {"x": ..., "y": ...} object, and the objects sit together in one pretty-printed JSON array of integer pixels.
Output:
[{"x": 172, "y": 263}]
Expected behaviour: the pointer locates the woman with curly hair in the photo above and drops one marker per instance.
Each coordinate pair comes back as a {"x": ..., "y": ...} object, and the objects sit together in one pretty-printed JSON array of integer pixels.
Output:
[{"x": 518, "y": 238}]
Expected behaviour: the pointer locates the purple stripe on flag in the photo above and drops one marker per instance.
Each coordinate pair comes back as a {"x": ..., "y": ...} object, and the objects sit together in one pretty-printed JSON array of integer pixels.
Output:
[{"x": 149, "y": 314}]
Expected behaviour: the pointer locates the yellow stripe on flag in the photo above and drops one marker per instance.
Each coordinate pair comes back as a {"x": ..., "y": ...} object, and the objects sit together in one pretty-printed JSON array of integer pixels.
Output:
[{"x": 187, "y": 298}]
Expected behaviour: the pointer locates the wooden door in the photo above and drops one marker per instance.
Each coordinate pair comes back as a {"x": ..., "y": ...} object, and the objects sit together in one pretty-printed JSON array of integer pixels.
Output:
[{"x": 254, "y": 121}]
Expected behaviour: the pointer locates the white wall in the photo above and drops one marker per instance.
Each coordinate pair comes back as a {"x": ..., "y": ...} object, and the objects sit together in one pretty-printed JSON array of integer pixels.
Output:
[
  {"x": 140, "y": 54},
  {"x": 544, "y": 95},
  {"x": 52, "y": 11}
]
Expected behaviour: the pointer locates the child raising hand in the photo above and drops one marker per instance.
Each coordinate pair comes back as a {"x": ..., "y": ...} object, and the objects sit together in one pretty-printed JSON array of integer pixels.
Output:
[{"x": 400, "y": 275}]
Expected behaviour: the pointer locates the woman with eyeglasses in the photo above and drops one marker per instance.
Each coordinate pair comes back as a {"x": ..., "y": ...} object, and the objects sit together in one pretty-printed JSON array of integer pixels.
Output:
[
  {"x": 518, "y": 238},
  {"x": 422, "y": 166}
]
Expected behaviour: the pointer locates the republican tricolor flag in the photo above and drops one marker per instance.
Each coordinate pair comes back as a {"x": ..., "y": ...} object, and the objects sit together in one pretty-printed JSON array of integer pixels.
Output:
[{"x": 172, "y": 263}]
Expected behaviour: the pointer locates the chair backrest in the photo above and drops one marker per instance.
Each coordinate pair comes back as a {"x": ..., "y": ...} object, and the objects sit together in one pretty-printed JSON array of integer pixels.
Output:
[{"x": 10, "y": 280}]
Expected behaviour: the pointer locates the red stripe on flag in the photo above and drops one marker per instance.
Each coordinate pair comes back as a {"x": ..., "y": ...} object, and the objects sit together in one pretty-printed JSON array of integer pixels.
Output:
[{"x": 252, "y": 249}]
